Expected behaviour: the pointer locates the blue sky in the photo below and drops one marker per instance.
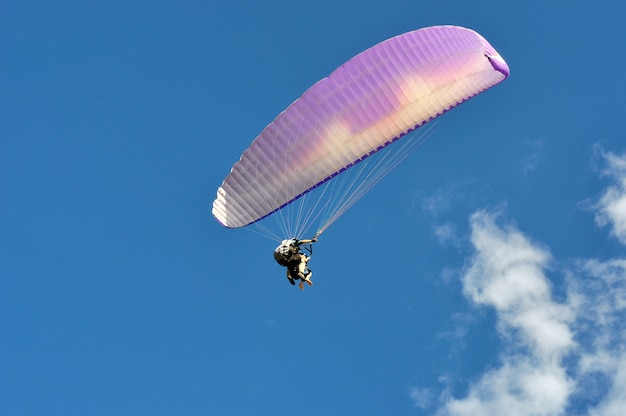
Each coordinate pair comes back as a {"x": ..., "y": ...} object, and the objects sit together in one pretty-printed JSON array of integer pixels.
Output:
[{"x": 487, "y": 272}]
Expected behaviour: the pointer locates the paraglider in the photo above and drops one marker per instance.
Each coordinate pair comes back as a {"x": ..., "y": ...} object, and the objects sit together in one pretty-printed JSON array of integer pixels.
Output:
[
  {"x": 369, "y": 102},
  {"x": 288, "y": 254}
]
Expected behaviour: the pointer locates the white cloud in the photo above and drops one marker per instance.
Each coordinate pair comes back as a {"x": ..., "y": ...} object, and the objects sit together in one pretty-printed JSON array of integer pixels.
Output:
[
  {"x": 601, "y": 290},
  {"x": 559, "y": 356},
  {"x": 518, "y": 387},
  {"x": 611, "y": 207},
  {"x": 507, "y": 273},
  {"x": 555, "y": 353},
  {"x": 614, "y": 404}
]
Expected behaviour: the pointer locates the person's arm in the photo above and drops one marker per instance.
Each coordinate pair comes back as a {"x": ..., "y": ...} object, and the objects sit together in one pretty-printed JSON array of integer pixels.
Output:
[{"x": 313, "y": 240}]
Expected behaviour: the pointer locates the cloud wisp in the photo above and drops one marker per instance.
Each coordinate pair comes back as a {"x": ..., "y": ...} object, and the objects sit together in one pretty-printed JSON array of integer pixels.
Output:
[{"x": 611, "y": 207}]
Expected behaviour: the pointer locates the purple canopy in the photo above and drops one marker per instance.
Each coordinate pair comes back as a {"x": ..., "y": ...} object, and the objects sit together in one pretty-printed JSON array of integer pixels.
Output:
[{"x": 370, "y": 101}]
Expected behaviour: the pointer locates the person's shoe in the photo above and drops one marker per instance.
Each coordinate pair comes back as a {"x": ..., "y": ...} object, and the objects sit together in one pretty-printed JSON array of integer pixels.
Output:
[
  {"x": 291, "y": 280},
  {"x": 301, "y": 285}
]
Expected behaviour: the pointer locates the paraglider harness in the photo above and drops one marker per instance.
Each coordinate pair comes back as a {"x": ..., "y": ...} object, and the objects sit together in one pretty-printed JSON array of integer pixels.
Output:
[{"x": 283, "y": 254}]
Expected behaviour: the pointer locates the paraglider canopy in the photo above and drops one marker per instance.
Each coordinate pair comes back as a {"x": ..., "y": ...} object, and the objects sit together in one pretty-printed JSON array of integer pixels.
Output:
[{"x": 367, "y": 103}]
